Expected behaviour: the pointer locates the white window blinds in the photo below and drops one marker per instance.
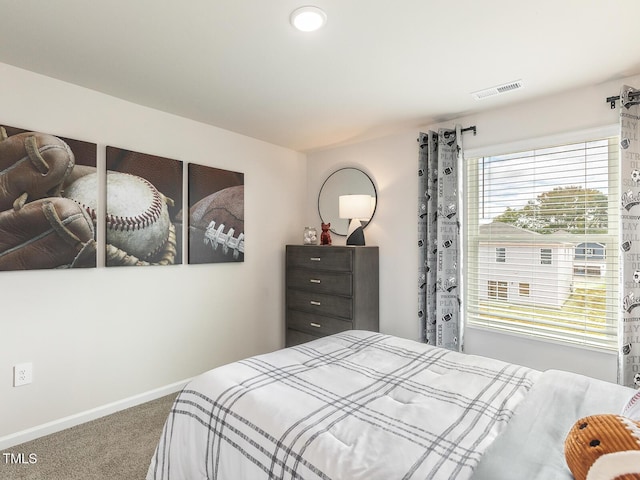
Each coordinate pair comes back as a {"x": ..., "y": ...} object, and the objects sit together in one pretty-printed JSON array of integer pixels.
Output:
[{"x": 541, "y": 242}]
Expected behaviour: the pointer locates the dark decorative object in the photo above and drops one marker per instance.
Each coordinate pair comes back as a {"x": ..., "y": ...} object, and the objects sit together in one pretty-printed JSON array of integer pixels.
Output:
[
  {"x": 356, "y": 237},
  {"x": 325, "y": 237}
]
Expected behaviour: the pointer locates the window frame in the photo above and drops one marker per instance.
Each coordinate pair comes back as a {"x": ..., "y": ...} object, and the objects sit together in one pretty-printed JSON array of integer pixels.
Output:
[
  {"x": 497, "y": 290},
  {"x": 536, "y": 143},
  {"x": 546, "y": 256}
]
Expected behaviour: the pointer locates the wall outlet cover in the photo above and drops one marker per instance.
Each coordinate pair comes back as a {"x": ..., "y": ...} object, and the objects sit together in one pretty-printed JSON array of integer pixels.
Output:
[{"x": 22, "y": 374}]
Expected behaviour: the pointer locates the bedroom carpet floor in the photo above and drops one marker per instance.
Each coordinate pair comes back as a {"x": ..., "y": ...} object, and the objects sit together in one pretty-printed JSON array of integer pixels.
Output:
[{"x": 114, "y": 447}]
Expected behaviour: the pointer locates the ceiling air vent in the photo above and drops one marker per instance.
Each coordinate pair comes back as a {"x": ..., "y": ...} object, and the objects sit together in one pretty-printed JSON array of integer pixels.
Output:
[{"x": 493, "y": 91}]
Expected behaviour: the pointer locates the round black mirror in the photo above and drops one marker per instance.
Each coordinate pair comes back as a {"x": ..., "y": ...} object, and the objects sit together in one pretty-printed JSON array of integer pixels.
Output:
[{"x": 346, "y": 181}]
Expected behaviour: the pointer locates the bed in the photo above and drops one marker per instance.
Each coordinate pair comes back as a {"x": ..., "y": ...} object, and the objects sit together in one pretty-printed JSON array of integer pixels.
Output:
[{"x": 364, "y": 405}]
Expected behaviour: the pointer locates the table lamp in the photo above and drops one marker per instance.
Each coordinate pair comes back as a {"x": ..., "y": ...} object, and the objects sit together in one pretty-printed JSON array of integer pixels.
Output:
[{"x": 354, "y": 208}]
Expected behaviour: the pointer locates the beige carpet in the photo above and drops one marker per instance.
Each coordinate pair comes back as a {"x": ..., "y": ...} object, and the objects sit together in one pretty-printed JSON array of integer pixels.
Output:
[{"x": 115, "y": 447}]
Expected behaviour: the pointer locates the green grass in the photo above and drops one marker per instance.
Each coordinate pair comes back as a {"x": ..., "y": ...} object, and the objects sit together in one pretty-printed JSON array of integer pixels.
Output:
[{"x": 584, "y": 305}]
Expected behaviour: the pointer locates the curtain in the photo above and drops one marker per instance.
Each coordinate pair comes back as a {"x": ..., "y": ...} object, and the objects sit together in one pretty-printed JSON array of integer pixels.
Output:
[
  {"x": 629, "y": 327},
  {"x": 439, "y": 296}
]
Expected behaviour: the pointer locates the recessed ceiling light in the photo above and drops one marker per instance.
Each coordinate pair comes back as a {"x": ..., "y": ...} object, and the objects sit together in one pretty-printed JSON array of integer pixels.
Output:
[{"x": 308, "y": 19}]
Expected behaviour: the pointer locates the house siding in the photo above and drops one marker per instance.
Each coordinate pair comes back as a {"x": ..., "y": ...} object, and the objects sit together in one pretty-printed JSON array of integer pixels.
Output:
[{"x": 548, "y": 284}]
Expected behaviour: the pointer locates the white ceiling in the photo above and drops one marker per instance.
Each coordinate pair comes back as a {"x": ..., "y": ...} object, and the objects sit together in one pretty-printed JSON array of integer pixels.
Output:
[{"x": 378, "y": 65}]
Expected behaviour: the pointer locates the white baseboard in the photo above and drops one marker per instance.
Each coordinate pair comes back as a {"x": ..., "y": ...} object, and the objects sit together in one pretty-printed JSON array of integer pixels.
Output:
[{"x": 38, "y": 431}]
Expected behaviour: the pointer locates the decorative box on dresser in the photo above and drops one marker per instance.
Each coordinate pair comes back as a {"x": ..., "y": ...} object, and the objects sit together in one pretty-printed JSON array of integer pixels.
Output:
[{"x": 330, "y": 289}]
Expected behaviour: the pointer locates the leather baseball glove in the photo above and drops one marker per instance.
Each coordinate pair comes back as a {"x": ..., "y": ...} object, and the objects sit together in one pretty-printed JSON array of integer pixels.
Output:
[
  {"x": 32, "y": 166},
  {"x": 46, "y": 233}
]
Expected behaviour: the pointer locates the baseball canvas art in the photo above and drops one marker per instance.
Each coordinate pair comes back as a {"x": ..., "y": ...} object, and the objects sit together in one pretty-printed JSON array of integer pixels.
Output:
[
  {"x": 143, "y": 198},
  {"x": 39, "y": 227},
  {"x": 216, "y": 215}
]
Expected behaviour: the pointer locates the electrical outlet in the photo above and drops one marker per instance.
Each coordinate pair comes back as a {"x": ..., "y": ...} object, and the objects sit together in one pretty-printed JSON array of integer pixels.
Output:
[{"x": 22, "y": 374}]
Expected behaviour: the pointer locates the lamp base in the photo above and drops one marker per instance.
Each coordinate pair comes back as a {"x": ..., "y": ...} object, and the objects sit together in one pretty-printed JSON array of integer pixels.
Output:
[{"x": 355, "y": 234}]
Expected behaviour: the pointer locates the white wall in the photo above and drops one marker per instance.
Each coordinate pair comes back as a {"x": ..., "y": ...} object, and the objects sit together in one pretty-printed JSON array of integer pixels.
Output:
[
  {"x": 98, "y": 336},
  {"x": 392, "y": 163}
]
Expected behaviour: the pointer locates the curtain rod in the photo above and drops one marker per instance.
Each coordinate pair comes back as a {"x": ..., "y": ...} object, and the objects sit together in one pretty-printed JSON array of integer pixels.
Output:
[
  {"x": 472, "y": 128},
  {"x": 612, "y": 100}
]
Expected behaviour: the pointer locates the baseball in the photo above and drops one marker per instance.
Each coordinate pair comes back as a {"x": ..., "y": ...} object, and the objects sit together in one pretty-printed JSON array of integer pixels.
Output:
[
  {"x": 632, "y": 408},
  {"x": 137, "y": 219}
]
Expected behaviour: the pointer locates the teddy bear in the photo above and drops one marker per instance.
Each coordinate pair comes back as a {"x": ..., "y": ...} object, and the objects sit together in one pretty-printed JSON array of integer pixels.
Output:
[
  {"x": 604, "y": 447},
  {"x": 325, "y": 236}
]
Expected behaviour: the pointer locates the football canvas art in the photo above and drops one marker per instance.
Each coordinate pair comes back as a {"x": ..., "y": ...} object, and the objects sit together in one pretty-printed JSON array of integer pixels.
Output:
[{"x": 216, "y": 215}]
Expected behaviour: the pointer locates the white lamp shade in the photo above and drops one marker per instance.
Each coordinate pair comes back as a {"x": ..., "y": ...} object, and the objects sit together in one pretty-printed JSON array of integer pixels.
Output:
[
  {"x": 354, "y": 206},
  {"x": 371, "y": 210}
]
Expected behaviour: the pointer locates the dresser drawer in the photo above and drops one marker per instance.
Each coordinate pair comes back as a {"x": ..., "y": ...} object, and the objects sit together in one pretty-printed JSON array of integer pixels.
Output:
[
  {"x": 323, "y": 258},
  {"x": 320, "y": 303},
  {"x": 294, "y": 337},
  {"x": 316, "y": 324},
  {"x": 320, "y": 281}
]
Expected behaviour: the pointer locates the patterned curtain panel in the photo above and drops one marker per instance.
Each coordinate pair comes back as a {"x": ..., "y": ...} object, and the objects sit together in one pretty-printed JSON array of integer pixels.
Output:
[
  {"x": 629, "y": 329},
  {"x": 440, "y": 158}
]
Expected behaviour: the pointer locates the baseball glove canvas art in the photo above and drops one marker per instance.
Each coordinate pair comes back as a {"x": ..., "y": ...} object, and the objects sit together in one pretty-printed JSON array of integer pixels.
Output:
[{"x": 39, "y": 228}]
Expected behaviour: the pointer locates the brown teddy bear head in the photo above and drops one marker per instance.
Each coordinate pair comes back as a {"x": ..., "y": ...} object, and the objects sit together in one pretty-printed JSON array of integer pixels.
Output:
[{"x": 604, "y": 447}]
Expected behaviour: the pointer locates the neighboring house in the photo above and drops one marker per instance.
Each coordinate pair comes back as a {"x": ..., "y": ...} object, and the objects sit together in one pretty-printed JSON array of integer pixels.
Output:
[
  {"x": 520, "y": 266},
  {"x": 589, "y": 259}
]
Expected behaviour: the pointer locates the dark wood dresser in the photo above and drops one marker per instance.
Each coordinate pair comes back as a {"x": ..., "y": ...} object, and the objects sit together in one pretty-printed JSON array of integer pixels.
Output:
[{"x": 330, "y": 289}]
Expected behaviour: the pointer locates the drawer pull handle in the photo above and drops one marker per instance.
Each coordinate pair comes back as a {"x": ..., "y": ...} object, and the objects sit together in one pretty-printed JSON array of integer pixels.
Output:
[
  {"x": 315, "y": 259},
  {"x": 314, "y": 280},
  {"x": 313, "y": 302},
  {"x": 316, "y": 325}
]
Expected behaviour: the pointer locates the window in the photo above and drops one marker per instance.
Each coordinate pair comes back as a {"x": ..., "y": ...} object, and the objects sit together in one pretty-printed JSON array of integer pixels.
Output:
[
  {"x": 545, "y": 256},
  {"x": 497, "y": 290},
  {"x": 542, "y": 204}
]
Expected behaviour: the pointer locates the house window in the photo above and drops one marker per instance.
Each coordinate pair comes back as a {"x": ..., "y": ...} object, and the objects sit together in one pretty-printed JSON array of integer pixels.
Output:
[
  {"x": 497, "y": 290},
  {"x": 543, "y": 203},
  {"x": 545, "y": 256}
]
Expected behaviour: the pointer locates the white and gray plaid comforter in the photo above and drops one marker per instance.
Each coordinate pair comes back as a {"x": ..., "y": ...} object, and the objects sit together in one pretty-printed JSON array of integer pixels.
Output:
[{"x": 357, "y": 405}]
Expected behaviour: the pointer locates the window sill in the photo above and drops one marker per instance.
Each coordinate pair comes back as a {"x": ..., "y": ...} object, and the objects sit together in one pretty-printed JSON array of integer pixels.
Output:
[{"x": 543, "y": 339}]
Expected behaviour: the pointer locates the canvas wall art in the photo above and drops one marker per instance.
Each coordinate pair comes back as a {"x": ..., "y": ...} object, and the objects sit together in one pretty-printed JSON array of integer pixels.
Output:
[
  {"x": 143, "y": 200},
  {"x": 216, "y": 215},
  {"x": 40, "y": 228}
]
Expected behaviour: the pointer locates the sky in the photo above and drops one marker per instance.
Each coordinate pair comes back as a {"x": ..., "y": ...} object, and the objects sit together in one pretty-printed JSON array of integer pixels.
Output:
[{"x": 515, "y": 179}]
